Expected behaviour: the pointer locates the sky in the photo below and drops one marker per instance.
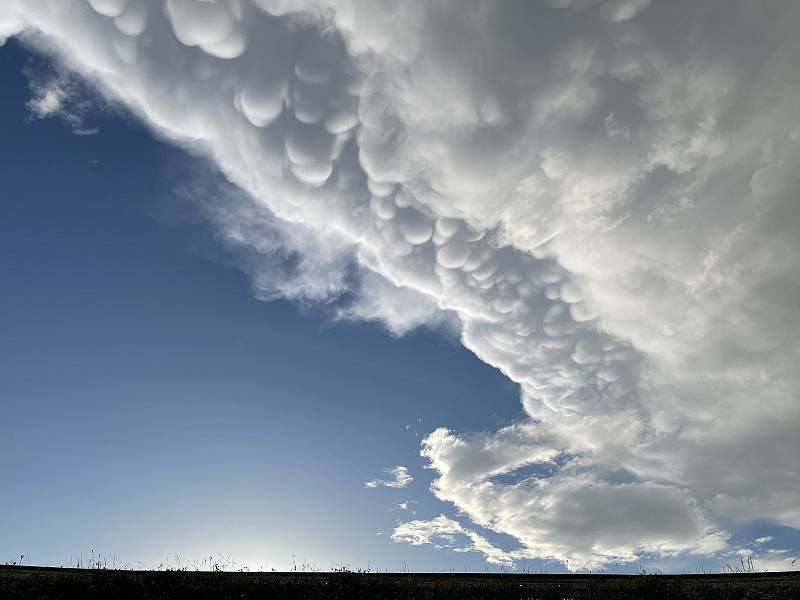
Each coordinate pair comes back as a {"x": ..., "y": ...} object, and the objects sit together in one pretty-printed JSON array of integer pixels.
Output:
[{"x": 446, "y": 286}]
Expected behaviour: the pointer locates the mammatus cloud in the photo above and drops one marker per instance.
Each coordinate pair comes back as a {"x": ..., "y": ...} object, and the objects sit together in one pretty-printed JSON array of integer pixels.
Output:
[
  {"x": 601, "y": 194},
  {"x": 400, "y": 479}
]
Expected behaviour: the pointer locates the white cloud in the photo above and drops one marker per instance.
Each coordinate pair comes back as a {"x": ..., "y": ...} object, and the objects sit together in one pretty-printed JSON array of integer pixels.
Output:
[
  {"x": 773, "y": 560},
  {"x": 773, "y": 565},
  {"x": 421, "y": 532},
  {"x": 602, "y": 202},
  {"x": 407, "y": 506},
  {"x": 492, "y": 554},
  {"x": 58, "y": 94},
  {"x": 763, "y": 540},
  {"x": 444, "y": 532},
  {"x": 568, "y": 512},
  {"x": 400, "y": 309},
  {"x": 400, "y": 478},
  {"x": 282, "y": 260}
]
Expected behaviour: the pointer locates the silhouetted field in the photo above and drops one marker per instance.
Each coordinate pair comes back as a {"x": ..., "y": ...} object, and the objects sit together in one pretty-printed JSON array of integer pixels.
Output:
[{"x": 42, "y": 583}]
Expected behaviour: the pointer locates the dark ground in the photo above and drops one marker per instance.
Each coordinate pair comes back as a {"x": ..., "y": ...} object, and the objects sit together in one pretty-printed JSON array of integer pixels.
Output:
[{"x": 44, "y": 583}]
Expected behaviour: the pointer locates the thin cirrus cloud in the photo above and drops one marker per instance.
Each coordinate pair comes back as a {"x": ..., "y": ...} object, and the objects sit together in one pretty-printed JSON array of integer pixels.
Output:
[
  {"x": 401, "y": 478},
  {"x": 58, "y": 94},
  {"x": 599, "y": 195}
]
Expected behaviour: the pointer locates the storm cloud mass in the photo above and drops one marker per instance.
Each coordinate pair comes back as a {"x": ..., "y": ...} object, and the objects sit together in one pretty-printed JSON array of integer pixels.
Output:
[{"x": 601, "y": 196}]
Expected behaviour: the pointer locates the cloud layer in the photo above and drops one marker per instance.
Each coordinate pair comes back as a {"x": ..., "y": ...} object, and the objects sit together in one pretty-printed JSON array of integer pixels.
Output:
[{"x": 602, "y": 194}]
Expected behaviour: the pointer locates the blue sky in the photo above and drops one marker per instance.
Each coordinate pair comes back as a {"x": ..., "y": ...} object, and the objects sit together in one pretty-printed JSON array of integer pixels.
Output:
[
  {"x": 328, "y": 283},
  {"x": 154, "y": 407}
]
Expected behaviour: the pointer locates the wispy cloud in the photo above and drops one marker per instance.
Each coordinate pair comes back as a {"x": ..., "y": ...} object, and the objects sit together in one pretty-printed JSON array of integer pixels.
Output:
[
  {"x": 400, "y": 479},
  {"x": 444, "y": 532},
  {"x": 57, "y": 94},
  {"x": 763, "y": 540}
]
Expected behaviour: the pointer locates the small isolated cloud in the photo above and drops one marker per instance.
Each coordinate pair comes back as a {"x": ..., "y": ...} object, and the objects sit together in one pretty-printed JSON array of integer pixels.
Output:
[
  {"x": 57, "y": 93},
  {"x": 406, "y": 505},
  {"x": 430, "y": 531},
  {"x": 400, "y": 479},
  {"x": 444, "y": 532},
  {"x": 763, "y": 540}
]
